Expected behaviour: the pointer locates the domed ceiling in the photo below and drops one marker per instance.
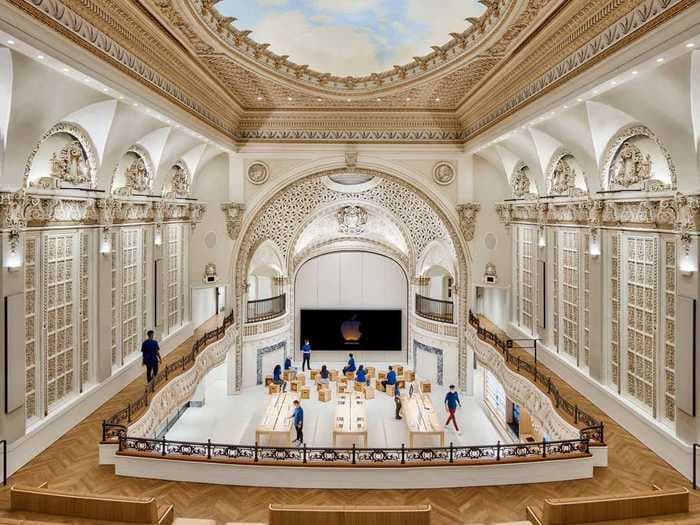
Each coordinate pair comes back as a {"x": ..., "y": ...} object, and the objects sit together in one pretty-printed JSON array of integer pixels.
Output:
[{"x": 351, "y": 37}]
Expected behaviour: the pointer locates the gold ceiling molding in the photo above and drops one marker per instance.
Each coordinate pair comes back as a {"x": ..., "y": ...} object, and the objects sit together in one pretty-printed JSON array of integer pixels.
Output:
[{"x": 172, "y": 47}]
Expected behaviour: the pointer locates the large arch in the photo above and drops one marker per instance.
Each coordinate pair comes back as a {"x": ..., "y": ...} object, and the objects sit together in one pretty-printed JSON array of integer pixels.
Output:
[{"x": 283, "y": 214}]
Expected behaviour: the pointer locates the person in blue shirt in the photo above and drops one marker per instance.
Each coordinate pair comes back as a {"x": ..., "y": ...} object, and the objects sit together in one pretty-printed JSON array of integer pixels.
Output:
[
  {"x": 277, "y": 377},
  {"x": 298, "y": 416},
  {"x": 361, "y": 375},
  {"x": 306, "y": 353},
  {"x": 351, "y": 365},
  {"x": 287, "y": 364},
  {"x": 397, "y": 401},
  {"x": 151, "y": 356},
  {"x": 390, "y": 378},
  {"x": 451, "y": 403}
]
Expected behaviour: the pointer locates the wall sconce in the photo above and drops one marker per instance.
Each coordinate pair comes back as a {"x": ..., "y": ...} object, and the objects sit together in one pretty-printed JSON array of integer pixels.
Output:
[
  {"x": 687, "y": 261},
  {"x": 106, "y": 242},
  {"x": 12, "y": 251},
  {"x": 158, "y": 236},
  {"x": 542, "y": 239},
  {"x": 594, "y": 244}
]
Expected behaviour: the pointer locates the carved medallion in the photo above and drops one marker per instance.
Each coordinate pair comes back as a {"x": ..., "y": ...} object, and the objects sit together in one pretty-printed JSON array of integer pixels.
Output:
[
  {"x": 443, "y": 173},
  {"x": 258, "y": 173},
  {"x": 351, "y": 220}
]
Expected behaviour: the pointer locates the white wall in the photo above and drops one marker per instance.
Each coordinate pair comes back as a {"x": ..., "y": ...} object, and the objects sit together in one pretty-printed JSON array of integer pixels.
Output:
[{"x": 351, "y": 280}]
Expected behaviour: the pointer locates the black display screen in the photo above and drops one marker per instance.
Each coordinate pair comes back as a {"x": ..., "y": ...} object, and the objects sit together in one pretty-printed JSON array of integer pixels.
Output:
[{"x": 349, "y": 330}]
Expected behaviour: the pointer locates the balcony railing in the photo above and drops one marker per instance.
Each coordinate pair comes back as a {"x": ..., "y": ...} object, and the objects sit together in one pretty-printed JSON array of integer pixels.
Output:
[
  {"x": 266, "y": 309},
  {"x": 434, "y": 309}
]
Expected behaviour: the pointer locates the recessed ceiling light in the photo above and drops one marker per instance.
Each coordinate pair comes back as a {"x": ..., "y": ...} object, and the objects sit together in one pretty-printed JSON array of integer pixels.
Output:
[
  {"x": 40, "y": 57},
  {"x": 121, "y": 97},
  {"x": 614, "y": 83},
  {"x": 11, "y": 42},
  {"x": 408, "y": 99},
  {"x": 105, "y": 90},
  {"x": 579, "y": 100},
  {"x": 595, "y": 91},
  {"x": 319, "y": 100},
  {"x": 87, "y": 80},
  {"x": 347, "y": 99},
  {"x": 566, "y": 107},
  {"x": 289, "y": 98},
  {"x": 635, "y": 72},
  {"x": 379, "y": 100},
  {"x": 660, "y": 59},
  {"x": 66, "y": 69},
  {"x": 437, "y": 100},
  {"x": 135, "y": 104},
  {"x": 259, "y": 98},
  {"x": 690, "y": 44}
]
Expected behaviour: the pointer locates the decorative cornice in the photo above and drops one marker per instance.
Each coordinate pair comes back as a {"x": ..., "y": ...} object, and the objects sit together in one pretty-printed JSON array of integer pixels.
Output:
[{"x": 677, "y": 213}]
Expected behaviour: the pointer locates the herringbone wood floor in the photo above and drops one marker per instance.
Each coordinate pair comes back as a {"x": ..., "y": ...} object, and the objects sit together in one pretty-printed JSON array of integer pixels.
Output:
[{"x": 72, "y": 464}]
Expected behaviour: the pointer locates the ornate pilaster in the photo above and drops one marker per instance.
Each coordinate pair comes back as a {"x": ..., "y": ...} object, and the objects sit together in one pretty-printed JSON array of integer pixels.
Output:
[
  {"x": 234, "y": 218},
  {"x": 505, "y": 213},
  {"x": 467, "y": 218}
]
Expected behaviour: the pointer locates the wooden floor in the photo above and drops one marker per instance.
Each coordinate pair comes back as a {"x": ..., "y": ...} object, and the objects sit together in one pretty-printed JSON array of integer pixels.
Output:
[{"x": 72, "y": 464}]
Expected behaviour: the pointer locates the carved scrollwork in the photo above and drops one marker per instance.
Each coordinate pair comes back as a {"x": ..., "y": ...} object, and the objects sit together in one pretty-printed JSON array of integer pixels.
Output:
[
  {"x": 467, "y": 218},
  {"x": 351, "y": 219},
  {"x": 197, "y": 212},
  {"x": 520, "y": 182},
  {"x": 234, "y": 218}
]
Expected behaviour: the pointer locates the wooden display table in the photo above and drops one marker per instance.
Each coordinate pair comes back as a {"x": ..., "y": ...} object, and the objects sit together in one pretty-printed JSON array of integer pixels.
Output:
[
  {"x": 324, "y": 395},
  {"x": 371, "y": 372},
  {"x": 409, "y": 375},
  {"x": 304, "y": 392},
  {"x": 296, "y": 385},
  {"x": 289, "y": 375},
  {"x": 350, "y": 375},
  {"x": 301, "y": 379},
  {"x": 273, "y": 388},
  {"x": 314, "y": 373},
  {"x": 390, "y": 390},
  {"x": 369, "y": 392},
  {"x": 268, "y": 380},
  {"x": 276, "y": 424},
  {"x": 342, "y": 388},
  {"x": 357, "y": 387},
  {"x": 350, "y": 417},
  {"x": 398, "y": 369},
  {"x": 420, "y": 417},
  {"x": 334, "y": 375},
  {"x": 426, "y": 387}
]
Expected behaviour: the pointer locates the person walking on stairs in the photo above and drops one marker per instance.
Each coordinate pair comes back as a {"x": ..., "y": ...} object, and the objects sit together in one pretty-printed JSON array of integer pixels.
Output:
[
  {"x": 151, "y": 356},
  {"x": 451, "y": 403}
]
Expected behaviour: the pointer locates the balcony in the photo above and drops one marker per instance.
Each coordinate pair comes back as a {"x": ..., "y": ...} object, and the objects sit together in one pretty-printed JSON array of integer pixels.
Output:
[
  {"x": 266, "y": 309},
  {"x": 434, "y": 309}
]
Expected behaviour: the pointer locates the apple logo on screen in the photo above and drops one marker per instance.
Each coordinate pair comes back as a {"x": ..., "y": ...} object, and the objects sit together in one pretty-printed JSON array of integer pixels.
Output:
[{"x": 350, "y": 330}]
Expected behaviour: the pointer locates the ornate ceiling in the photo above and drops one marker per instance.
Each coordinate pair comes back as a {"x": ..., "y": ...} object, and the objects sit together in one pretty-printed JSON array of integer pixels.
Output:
[{"x": 515, "y": 52}]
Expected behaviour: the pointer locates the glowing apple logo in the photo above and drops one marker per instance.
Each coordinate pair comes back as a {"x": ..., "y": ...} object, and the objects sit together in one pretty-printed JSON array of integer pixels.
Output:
[{"x": 350, "y": 330}]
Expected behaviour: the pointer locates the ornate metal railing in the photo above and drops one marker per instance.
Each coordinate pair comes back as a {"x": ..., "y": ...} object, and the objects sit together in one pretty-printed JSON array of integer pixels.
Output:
[
  {"x": 412, "y": 457},
  {"x": 592, "y": 428},
  {"x": 435, "y": 309},
  {"x": 114, "y": 427},
  {"x": 266, "y": 309}
]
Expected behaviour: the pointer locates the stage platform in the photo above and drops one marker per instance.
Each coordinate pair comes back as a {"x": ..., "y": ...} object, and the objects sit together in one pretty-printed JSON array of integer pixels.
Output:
[{"x": 233, "y": 419}]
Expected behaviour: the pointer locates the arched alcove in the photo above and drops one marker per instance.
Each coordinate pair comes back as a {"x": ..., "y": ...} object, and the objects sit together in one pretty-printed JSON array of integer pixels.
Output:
[
  {"x": 179, "y": 181},
  {"x": 134, "y": 172}
]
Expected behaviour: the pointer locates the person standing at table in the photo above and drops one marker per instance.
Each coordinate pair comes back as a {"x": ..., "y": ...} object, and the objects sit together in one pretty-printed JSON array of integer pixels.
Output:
[
  {"x": 151, "y": 356},
  {"x": 451, "y": 403},
  {"x": 351, "y": 365},
  {"x": 390, "y": 377},
  {"x": 397, "y": 401},
  {"x": 298, "y": 416},
  {"x": 306, "y": 353}
]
